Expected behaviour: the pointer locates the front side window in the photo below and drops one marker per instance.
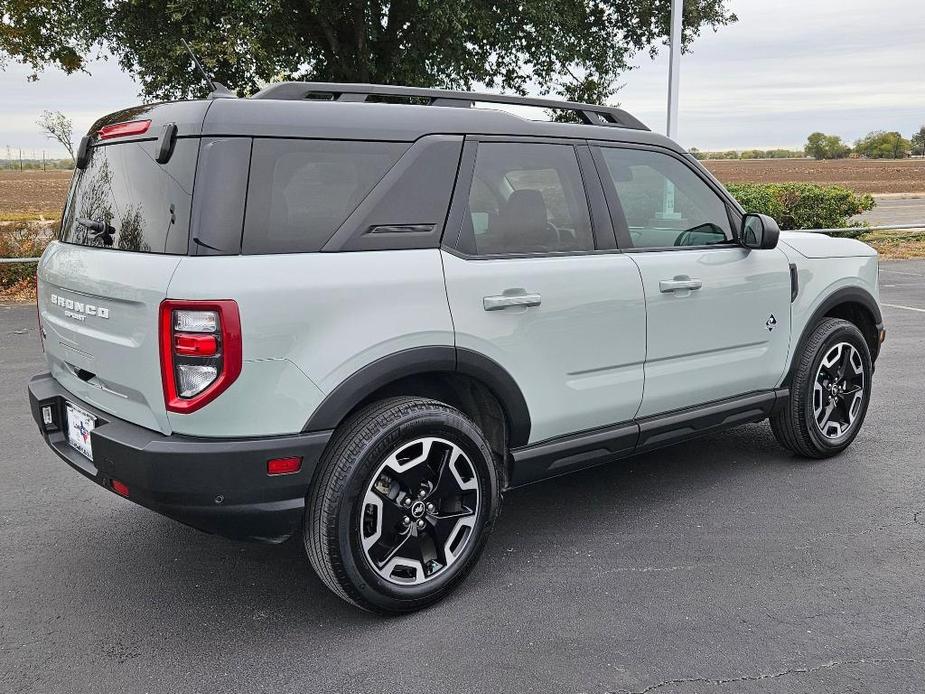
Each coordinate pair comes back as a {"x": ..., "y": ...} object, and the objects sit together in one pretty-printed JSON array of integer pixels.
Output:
[
  {"x": 301, "y": 191},
  {"x": 664, "y": 202},
  {"x": 526, "y": 198}
]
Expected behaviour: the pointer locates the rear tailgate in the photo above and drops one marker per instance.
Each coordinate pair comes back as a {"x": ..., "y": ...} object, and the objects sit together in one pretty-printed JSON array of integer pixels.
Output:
[
  {"x": 123, "y": 233},
  {"x": 99, "y": 310}
]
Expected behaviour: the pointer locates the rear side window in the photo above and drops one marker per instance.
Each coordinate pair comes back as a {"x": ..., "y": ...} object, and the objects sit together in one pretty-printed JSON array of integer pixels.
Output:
[
  {"x": 526, "y": 198},
  {"x": 126, "y": 201},
  {"x": 301, "y": 191}
]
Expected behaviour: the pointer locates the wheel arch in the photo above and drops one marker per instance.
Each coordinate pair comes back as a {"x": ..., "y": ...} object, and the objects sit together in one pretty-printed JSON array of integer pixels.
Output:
[
  {"x": 463, "y": 378},
  {"x": 853, "y": 304}
]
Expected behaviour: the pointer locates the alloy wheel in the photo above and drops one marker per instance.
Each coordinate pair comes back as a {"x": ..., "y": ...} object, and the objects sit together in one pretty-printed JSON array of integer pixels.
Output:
[
  {"x": 419, "y": 511},
  {"x": 838, "y": 391}
]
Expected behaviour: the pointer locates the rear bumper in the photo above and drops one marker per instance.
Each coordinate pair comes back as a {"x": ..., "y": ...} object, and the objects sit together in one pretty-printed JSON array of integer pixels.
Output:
[{"x": 220, "y": 486}]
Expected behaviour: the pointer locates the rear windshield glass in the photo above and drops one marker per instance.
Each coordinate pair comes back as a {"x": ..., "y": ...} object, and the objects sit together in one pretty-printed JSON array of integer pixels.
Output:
[
  {"x": 126, "y": 201},
  {"x": 301, "y": 191}
]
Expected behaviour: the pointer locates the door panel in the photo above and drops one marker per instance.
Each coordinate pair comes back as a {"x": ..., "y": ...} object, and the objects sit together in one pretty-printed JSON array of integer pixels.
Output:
[
  {"x": 576, "y": 351},
  {"x": 709, "y": 302},
  {"x": 526, "y": 289},
  {"x": 718, "y": 340}
]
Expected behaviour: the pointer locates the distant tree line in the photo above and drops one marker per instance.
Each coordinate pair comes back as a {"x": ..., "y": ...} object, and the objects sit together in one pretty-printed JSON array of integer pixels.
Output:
[
  {"x": 35, "y": 164},
  {"x": 918, "y": 142},
  {"x": 879, "y": 144},
  {"x": 748, "y": 154}
]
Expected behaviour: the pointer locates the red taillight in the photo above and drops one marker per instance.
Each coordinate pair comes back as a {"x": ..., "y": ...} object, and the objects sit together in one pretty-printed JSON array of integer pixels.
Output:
[
  {"x": 284, "y": 466},
  {"x": 132, "y": 127},
  {"x": 120, "y": 488},
  {"x": 200, "y": 351},
  {"x": 195, "y": 345}
]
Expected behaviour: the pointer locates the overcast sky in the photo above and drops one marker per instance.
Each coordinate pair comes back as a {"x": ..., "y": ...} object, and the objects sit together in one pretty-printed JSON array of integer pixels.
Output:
[{"x": 787, "y": 68}]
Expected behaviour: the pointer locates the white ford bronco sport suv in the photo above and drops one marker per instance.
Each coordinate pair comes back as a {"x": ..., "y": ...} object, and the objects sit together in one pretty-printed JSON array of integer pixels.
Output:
[{"x": 359, "y": 313}]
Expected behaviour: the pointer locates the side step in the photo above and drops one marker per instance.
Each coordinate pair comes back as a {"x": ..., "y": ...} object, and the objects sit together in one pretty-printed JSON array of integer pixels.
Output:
[{"x": 565, "y": 454}]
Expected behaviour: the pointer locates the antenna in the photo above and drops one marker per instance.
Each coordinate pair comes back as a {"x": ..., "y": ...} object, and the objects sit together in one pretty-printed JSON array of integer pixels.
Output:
[{"x": 218, "y": 90}]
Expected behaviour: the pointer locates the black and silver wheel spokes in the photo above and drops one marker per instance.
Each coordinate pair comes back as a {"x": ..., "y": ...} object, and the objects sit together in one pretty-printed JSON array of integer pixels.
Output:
[
  {"x": 838, "y": 391},
  {"x": 419, "y": 511}
]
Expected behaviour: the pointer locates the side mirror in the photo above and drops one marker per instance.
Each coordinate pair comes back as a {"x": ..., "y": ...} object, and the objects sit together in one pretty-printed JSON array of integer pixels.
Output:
[{"x": 759, "y": 231}]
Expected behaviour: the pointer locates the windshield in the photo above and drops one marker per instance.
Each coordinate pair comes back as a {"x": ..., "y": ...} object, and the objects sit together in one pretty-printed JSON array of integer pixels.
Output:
[{"x": 125, "y": 200}]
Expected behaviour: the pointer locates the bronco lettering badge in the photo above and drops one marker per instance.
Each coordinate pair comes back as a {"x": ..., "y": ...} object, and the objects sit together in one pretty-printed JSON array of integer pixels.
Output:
[{"x": 79, "y": 310}]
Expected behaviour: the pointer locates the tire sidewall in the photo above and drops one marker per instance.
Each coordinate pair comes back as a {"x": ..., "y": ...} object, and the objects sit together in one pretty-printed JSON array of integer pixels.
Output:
[
  {"x": 373, "y": 587},
  {"x": 844, "y": 332}
]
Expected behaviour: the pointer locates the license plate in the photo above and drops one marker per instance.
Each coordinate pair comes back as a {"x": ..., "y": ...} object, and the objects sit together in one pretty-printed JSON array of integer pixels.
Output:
[{"x": 79, "y": 425}]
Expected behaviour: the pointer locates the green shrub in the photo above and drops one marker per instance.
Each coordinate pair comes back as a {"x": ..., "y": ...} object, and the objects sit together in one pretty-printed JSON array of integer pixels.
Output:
[{"x": 804, "y": 205}]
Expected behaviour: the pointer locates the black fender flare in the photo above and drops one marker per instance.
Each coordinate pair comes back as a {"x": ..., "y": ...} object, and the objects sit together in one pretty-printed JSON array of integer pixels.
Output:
[
  {"x": 845, "y": 295},
  {"x": 437, "y": 359}
]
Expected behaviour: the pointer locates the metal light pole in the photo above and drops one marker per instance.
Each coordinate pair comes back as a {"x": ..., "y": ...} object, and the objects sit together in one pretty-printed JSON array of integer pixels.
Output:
[{"x": 674, "y": 67}]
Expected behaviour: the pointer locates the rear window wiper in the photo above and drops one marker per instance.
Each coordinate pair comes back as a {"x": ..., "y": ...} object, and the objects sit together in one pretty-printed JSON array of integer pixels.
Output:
[{"x": 99, "y": 229}]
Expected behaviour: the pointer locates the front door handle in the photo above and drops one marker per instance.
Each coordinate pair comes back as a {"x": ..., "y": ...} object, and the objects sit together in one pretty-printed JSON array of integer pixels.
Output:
[
  {"x": 679, "y": 283},
  {"x": 507, "y": 300}
]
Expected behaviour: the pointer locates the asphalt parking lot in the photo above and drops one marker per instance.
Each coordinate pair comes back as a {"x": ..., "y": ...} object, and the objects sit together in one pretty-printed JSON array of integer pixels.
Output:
[
  {"x": 723, "y": 565},
  {"x": 893, "y": 210}
]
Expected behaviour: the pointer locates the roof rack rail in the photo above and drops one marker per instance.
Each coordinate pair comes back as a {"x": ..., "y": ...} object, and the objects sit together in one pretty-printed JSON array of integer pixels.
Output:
[{"x": 590, "y": 114}]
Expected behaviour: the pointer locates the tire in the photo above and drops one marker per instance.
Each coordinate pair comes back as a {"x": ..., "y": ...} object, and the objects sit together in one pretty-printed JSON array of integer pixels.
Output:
[
  {"x": 799, "y": 424},
  {"x": 372, "y": 534}
]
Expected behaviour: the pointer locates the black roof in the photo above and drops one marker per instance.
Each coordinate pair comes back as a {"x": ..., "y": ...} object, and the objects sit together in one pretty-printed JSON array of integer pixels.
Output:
[
  {"x": 591, "y": 114},
  {"x": 288, "y": 110}
]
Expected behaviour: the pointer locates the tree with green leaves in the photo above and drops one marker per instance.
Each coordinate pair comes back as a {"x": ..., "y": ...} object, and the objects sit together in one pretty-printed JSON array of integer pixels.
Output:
[
  {"x": 822, "y": 146},
  {"x": 918, "y": 141},
  {"x": 883, "y": 145},
  {"x": 576, "y": 48}
]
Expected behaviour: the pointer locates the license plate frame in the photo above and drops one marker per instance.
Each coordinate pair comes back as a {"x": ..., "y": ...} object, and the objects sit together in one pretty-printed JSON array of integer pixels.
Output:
[{"x": 79, "y": 425}]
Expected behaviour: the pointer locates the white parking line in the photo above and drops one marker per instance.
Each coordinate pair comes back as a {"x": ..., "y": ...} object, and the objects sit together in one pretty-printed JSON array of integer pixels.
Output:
[
  {"x": 898, "y": 272},
  {"x": 908, "y": 308}
]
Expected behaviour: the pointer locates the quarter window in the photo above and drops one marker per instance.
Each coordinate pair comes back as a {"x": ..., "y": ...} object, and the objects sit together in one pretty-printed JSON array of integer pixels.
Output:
[
  {"x": 301, "y": 191},
  {"x": 526, "y": 198},
  {"x": 664, "y": 202}
]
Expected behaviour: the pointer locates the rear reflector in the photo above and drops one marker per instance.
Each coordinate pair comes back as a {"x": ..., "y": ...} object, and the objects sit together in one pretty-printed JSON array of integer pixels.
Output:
[
  {"x": 132, "y": 127},
  {"x": 284, "y": 466},
  {"x": 120, "y": 488}
]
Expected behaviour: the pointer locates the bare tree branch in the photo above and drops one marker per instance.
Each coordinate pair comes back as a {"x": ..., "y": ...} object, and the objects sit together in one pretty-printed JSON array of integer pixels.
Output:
[{"x": 58, "y": 127}]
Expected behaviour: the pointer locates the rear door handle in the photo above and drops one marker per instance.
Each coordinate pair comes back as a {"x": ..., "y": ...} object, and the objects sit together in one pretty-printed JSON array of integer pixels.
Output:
[
  {"x": 501, "y": 301},
  {"x": 679, "y": 283}
]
